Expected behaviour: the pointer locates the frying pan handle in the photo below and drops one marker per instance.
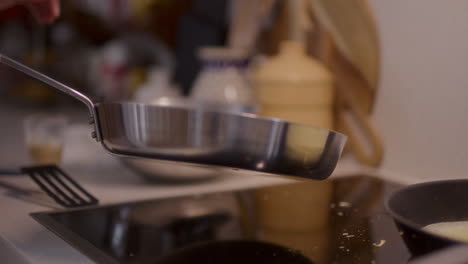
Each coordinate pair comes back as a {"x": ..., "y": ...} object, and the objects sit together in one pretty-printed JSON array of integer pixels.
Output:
[
  {"x": 452, "y": 255},
  {"x": 57, "y": 85}
]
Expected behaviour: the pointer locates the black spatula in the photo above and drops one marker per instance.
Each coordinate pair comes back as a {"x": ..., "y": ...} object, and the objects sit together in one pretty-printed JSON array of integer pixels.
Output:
[{"x": 57, "y": 184}]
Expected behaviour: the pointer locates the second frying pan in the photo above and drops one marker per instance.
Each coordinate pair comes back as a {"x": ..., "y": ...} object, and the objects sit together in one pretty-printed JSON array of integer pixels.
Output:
[
  {"x": 419, "y": 205},
  {"x": 200, "y": 137}
]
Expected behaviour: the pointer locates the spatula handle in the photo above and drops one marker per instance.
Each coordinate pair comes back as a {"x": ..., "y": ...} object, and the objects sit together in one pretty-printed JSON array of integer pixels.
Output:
[
  {"x": 4, "y": 172},
  {"x": 46, "y": 79}
]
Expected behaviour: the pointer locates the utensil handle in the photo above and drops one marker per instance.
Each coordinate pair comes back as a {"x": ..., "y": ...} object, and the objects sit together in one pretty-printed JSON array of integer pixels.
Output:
[
  {"x": 56, "y": 84},
  {"x": 371, "y": 139},
  {"x": 10, "y": 172},
  {"x": 356, "y": 123},
  {"x": 59, "y": 86}
]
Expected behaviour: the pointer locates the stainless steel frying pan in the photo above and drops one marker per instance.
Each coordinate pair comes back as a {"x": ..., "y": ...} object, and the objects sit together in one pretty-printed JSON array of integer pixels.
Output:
[{"x": 198, "y": 137}]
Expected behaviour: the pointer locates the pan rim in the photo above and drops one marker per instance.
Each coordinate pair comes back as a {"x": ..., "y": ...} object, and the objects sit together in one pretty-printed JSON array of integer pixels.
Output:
[{"x": 209, "y": 110}]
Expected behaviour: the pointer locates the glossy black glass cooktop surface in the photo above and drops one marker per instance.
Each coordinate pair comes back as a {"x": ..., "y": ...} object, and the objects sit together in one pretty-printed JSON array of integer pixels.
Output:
[{"x": 335, "y": 221}]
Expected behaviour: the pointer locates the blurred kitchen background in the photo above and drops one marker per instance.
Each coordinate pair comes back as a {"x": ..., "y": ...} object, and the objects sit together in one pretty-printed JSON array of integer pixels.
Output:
[
  {"x": 401, "y": 63},
  {"x": 392, "y": 75}
]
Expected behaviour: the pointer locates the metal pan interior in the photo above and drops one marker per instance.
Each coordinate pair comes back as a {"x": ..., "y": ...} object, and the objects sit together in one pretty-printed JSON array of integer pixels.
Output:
[{"x": 206, "y": 137}]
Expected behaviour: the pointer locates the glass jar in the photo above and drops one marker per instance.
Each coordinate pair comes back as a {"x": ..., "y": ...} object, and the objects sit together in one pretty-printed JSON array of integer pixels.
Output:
[{"x": 223, "y": 77}]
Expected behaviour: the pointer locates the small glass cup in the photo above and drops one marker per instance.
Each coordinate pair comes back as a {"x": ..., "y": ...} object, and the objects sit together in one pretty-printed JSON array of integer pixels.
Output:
[{"x": 44, "y": 135}]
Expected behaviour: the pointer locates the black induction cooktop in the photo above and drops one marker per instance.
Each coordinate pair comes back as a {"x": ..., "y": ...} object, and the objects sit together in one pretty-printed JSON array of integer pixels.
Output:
[{"x": 225, "y": 228}]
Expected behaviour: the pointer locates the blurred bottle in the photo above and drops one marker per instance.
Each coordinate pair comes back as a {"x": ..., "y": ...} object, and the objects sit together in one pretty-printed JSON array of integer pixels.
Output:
[
  {"x": 223, "y": 77},
  {"x": 111, "y": 71},
  {"x": 157, "y": 88},
  {"x": 295, "y": 87}
]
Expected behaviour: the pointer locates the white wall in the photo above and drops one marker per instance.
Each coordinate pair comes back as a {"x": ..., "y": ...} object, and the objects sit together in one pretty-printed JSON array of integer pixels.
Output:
[{"x": 422, "y": 105}]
